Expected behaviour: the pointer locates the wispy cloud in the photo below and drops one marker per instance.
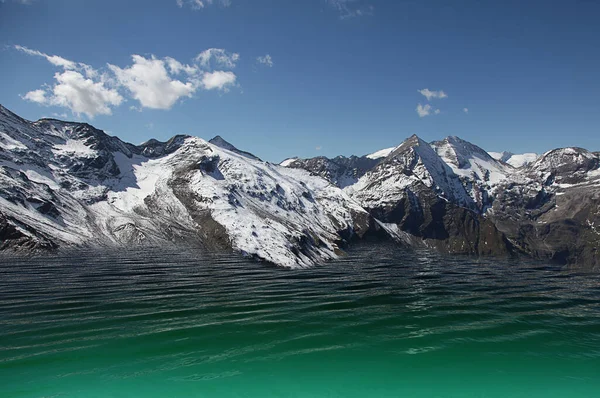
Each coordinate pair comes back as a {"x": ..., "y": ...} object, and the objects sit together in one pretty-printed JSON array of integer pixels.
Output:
[
  {"x": 351, "y": 8},
  {"x": 426, "y": 110},
  {"x": 201, "y": 4},
  {"x": 466, "y": 110},
  {"x": 429, "y": 94},
  {"x": 265, "y": 60},
  {"x": 24, "y": 2},
  {"x": 217, "y": 57},
  {"x": 53, "y": 59}
]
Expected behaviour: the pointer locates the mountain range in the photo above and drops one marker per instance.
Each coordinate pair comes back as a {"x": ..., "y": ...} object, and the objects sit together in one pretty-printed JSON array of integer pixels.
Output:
[{"x": 66, "y": 184}]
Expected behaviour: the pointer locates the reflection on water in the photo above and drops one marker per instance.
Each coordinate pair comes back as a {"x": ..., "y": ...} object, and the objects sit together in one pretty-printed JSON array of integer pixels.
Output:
[{"x": 382, "y": 321}]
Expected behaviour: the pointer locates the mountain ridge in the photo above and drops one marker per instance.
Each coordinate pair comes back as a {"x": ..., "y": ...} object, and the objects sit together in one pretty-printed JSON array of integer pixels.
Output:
[{"x": 66, "y": 184}]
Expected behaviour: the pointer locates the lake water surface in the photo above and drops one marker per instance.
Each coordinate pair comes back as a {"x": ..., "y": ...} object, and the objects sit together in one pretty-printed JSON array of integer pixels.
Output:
[{"x": 381, "y": 322}]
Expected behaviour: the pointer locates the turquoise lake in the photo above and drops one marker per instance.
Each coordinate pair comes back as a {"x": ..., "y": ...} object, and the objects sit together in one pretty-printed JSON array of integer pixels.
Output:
[{"x": 381, "y": 322}]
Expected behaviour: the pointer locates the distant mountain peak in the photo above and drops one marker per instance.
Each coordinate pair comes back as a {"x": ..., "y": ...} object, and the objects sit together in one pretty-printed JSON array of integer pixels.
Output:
[
  {"x": 567, "y": 161},
  {"x": 515, "y": 160}
]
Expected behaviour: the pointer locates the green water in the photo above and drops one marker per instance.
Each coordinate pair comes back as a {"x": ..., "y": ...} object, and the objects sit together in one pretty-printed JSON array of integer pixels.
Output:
[{"x": 382, "y": 322}]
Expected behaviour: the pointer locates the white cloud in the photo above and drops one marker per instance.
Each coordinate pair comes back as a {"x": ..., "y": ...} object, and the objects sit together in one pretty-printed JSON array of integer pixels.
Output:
[
  {"x": 87, "y": 94},
  {"x": 83, "y": 95},
  {"x": 429, "y": 94},
  {"x": 38, "y": 96},
  {"x": 426, "y": 110},
  {"x": 200, "y": 4},
  {"x": 220, "y": 80},
  {"x": 149, "y": 82},
  {"x": 79, "y": 94},
  {"x": 319, "y": 148},
  {"x": 217, "y": 57},
  {"x": 466, "y": 110},
  {"x": 351, "y": 8},
  {"x": 265, "y": 60}
]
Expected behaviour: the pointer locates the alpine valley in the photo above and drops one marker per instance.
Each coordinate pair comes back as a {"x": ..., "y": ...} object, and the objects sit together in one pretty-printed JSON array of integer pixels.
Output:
[{"x": 69, "y": 185}]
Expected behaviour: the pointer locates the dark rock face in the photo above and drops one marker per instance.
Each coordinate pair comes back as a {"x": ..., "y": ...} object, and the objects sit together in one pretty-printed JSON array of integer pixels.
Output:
[
  {"x": 19, "y": 237},
  {"x": 212, "y": 234},
  {"x": 340, "y": 171},
  {"x": 443, "y": 225},
  {"x": 154, "y": 148},
  {"x": 559, "y": 224}
]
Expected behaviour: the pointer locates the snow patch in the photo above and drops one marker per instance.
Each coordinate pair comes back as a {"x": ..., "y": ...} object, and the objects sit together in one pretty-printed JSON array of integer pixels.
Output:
[
  {"x": 287, "y": 162},
  {"x": 381, "y": 153},
  {"x": 9, "y": 143},
  {"x": 522, "y": 160},
  {"x": 74, "y": 147}
]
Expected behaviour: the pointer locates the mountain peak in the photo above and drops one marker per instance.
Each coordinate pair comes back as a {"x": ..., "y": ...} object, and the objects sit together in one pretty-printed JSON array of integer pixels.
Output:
[
  {"x": 457, "y": 151},
  {"x": 412, "y": 142},
  {"x": 415, "y": 139},
  {"x": 224, "y": 144},
  {"x": 456, "y": 140}
]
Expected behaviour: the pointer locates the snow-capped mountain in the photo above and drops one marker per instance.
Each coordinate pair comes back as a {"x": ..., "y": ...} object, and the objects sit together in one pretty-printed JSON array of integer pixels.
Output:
[
  {"x": 65, "y": 184},
  {"x": 69, "y": 184},
  {"x": 414, "y": 190}
]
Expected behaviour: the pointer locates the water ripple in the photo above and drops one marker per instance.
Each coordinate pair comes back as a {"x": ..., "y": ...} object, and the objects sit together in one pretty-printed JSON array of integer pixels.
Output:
[{"x": 195, "y": 317}]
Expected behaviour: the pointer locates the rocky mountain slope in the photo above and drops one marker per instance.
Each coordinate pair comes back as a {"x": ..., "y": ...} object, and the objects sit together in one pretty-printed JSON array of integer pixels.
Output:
[
  {"x": 456, "y": 197},
  {"x": 341, "y": 171},
  {"x": 65, "y": 184}
]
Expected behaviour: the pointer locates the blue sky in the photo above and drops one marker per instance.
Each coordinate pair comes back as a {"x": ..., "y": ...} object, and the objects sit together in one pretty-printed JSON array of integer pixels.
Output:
[{"x": 312, "y": 77}]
